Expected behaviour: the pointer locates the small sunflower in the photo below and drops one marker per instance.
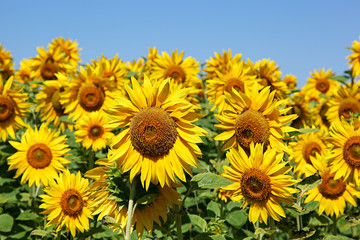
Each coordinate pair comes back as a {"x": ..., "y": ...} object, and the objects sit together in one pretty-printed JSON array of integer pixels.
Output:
[
  {"x": 236, "y": 75},
  {"x": 354, "y": 58},
  {"x": 331, "y": 193},
  {"x": 159, "y": 140},
  {"x": 136, "y": 68},
  {"x": 304, "y": 149},
  {"x": 40, "y": 155},
  {"x": 92, "y": 131},
  {"x": 290, "y": 81},
  {"x": 6, "y": 63},
  {"x": 69, "y": 48},
  {"x": 256, "y": 117},
  {"x": 301, "y": 109},
  {"x": 13, "y": 108},
  {"x": 151, "y": 58},
  {"x": 23, "y": 74},
  {"x": 66, "y": 200},
  {"x": 260, "y": 181},
  {"x": 321, "y": 83}
]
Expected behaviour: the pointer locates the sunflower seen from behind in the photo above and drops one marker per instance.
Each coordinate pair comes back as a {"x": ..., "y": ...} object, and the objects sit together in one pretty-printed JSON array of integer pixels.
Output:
[
  {"x": 40, "y": 155},
  {"x": 6, "y": 63},
  {"x": 259, "y": 180},
  {"x": 354, "y": 58},
  {"x": 159, "y": 139},
  {"x": 66, "y": 201}
]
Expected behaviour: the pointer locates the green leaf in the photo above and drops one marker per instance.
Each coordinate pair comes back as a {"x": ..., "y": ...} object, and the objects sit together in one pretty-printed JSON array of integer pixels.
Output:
[
  {"x": 148, "y": 198},
  {"x": 198, "y": 221},
  {"x": 19, "y": 235},
  {"x": 337, "y": 237},
  {"x": 66, "y": 119},
  {"x": 6, "y": 222},
  {"x": 213, "y": 209},
  {"x": 42, "y": 233},
  {"x": 340, "y": 78},
  {"x": 264, "y": 231},
  {"x": 27, "y": 215},
  {"x": 302, "y": 131},
  {"x": 237, "y": 218},
  {"x": 209, "y": 181}
]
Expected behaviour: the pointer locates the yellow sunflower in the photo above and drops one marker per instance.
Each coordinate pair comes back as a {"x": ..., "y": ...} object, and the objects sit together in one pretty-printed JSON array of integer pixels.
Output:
[
  {"x": 13, "y": 109},
  {"x": 344, "y": 103},
  {"x": 6, "y": 63},
  {"x": 290, "y": 81},
  {"x": 159, "y": 140},
  {"x": 354, "y": 58},
  {"x": 67, "y": 202},
  {"x": 256, "y": 117},
  {"x": 92, "y": 131},
  {"x": 109, "y": 197},
  {"x": 220, "y": 63},
  {"x": 69, "y": 48},
  {"x": 48, "y": 103},
  {"x": 151, "y": 57},
  {"x": 331, "y": 193},
  {"x": 236, "y": 75},
  {"x": 40, "y": 155},
  {"x": 302, "y": 109},
  {"x": 260, "y": 181},
  {"x": 304, "y": 149},
  {"x": 345, "y": 153},
  {"x": 23, "y": 74},
  {"x": 321, "y": 83},
  {"x": 136, "y": 67}
]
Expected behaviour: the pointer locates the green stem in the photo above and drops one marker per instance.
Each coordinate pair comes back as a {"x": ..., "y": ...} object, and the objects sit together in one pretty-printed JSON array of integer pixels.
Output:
[
  {"x": 130, "y": 210},
  {"x": 334, "y": 227},
  {"x": 299, "y": 222},
  {"x": 272, "y": 227},
  {"x": 178, "y": 226},
  {"x": 91, "y": 159}
]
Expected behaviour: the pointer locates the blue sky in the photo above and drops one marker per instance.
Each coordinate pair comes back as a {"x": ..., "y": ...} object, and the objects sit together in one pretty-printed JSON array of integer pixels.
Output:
[{"x": 299, "y": 35}]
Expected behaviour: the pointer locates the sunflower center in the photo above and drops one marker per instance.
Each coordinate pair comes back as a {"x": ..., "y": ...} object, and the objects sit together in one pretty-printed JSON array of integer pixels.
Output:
[
  {"x": 96, "y": 132},
  {"x": 39, "y": 156},
  {"x": 55, "y": 100},
  {"x": 234, "y": 83},
  {"x": 72, "y": 203},
  {"x": 322, "y": 85},
  {"x": 48, "y": 69},
  {"x": 310, "y": 150},
  {"x": 349, "y": 106},
  {"x": 177, "y": 73},
  {"x": 351, "y": 151},
  {"x": 7, "y": 108},
  {"x": 255, "y": 185},
  {"x": 251, "y": 126},
  {"x": 91, "y": 97},
  {"x": 331, "y": 188},
  {"x": 153, "y": 132}
]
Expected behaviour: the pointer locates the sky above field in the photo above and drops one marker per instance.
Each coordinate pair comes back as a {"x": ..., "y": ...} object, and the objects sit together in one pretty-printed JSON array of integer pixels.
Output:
[{"x": 299, "y": 36}]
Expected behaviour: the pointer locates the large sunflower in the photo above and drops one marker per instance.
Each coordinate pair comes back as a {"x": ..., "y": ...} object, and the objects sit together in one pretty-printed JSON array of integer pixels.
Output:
[
  {"x": 256, "y": 117},
  {"x": 159, "y": 139},
  {"x": 345, "y": 155},
  {"x": 40, "y": 155},
  {"x": 67, "y": 203},
  {"x": 321, "y": 83},
  {"x": 236, "y": 75},
  {"x": 260, "y": 181},
  {"x": 13, "y": 109},
  {"x": 6, "y": 63},
  {"x": 92, "y": 131},
  {"x": 331, "y": 193},
  {"x": 354, "y": 58}
]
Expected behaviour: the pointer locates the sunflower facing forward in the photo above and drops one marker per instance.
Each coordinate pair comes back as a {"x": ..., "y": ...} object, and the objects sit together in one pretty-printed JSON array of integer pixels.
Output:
[
  {"x": 260, "y": 180},
  {"x": 159, "y": 139}
]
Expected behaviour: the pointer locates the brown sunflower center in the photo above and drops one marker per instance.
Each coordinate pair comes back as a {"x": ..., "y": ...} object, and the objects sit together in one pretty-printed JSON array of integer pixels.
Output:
[
  {"x": 255, "y": 185},
  {"x": 349, "y": 106},
  {"x": 234, "y": 83},
  {"x": 96, "y": 132},
  {"x": 322, "y": 85},
  {"x": 48, "y": 69},
  {"x": 251, "y": 126},
  {"x": 39, "y": 156},
  {"x": 351, "y": 151},
  {"x": 177, "y": 73},
  {"x": 7, "y": 108},
  {"x": 331, "y": 188},
  {"x": 91, "y": 97},
  {"x": 153, "y": 132},
  {"x": 72, "y": 203},
  {"x": 310, "y": 150},
  {"x": 55, "y": 100}
]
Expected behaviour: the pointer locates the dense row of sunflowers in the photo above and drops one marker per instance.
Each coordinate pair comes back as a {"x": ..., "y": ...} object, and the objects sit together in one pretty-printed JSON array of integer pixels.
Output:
[{"x": 134, "y": 144}]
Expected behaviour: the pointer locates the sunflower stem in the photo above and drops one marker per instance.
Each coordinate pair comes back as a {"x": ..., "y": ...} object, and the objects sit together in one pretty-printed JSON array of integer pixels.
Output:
[
  {"x": 91, "y": 159},
  {"x": 178, "y": 225},
  {"x": 299, "y": 222},
  {"x": 272, "y": 227},
  {"x": 130, "y": 211},
  {"x": 334, "y": 227}
]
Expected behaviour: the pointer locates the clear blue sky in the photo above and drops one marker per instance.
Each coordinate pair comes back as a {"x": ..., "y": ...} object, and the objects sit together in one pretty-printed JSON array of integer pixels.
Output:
[{"x": 299, "y": 35}]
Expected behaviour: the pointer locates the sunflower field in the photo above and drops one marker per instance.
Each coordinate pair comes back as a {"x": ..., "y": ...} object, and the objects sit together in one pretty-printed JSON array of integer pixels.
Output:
[{"x": 168, "y": 148}]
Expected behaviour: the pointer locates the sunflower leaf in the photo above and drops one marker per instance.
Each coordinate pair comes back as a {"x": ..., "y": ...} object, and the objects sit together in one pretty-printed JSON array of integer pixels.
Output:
[
  {"x": 302, "y": 131},
  {"x": 340, "y": 78},
  {"x": 208, "y": 181},
  {"x": 6, "y": 222},
  {"x": 148, "y": 198},
  {"x": 198, "y": 221}
]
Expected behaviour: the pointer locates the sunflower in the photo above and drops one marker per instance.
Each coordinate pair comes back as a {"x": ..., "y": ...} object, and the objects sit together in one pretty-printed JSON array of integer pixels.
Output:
[
  {"x": 321, "y": 83},
  {"x": 6, "y": 63},
  {"x": 69, "y": 48},
  {"x": 290, "y": 81},
  {"x": 109, "y": 195},
  {"x": 304, "y": 149},
  {"x": 236, "y": 75},
  {"x": 48, "y": 103},
  {"x": 136, "y": 68},
  {"x": 92, "y": 131},
  {"x": 66, "y": 200},
  {"x": 23, "y": 74},
  {"x": 151, "y": 57},
  {"x": 345, "y": 155},
  {"x": 331, "y": 193},
  {"x": 40, "y": 155},
  {"x": 159, "y": 139},
  {"x": 301, "y": 109},
  {"x": 354, "y": 58},
  {"x": 344, "y": 103},
  {"x": 220, "y": 63},
  {"x": 259, "y": 180},
  {"x": 88, "y": 91},
  {"x": 13, "y": 109},
  {"x": 256, "y": 117}
]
